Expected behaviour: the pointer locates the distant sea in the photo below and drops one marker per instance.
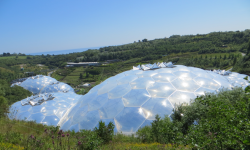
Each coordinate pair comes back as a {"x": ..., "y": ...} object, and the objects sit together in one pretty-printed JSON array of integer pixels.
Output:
[{"x": 63, "y": 51}]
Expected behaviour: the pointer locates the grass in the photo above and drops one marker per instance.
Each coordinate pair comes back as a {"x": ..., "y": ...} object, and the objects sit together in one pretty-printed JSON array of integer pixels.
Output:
[
  {"x": 6, "y": 70},
  {"x": 57, "y": 76},
  {"x": 72, "y": 80},
  {"x": 15, "y": 134},
  {"x": 13, "y": 57}
]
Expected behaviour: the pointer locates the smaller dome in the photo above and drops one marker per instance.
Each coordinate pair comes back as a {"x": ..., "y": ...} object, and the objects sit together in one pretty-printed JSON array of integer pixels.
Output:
[{"x": 44, "y": 84}]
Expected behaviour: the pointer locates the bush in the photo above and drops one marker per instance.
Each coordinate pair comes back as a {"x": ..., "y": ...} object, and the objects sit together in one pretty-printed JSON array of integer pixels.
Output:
[
  {"x": 106, "y": 133},
  {"x": 88, "y": 140},
  {"x": 161, "y": 131},
  {"x": 222, "y": 120}
]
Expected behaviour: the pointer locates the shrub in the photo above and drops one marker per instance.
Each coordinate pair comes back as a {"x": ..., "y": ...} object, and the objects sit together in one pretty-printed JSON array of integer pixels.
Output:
[
  {"x": 106, "y": 133},
  {"x": 88, "y": 140},
  {"x": 223, "y": 120}
]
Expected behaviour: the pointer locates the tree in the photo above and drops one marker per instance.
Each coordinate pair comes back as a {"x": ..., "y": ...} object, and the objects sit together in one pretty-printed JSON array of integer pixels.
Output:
[
  {"x": 144, "y": 40},
  {"x": 4, "y": 54},
  {"x": 248, "y": 49},
  {"x": 225, "y": 57},
  {"x": 81, "y": 76},
  {"x": 3, "y": 106},
  {"x": 234, "y": 61}
]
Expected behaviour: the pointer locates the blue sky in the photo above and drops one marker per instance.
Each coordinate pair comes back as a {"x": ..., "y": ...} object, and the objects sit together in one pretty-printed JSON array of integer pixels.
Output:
[{"x": 30, "y": 26}]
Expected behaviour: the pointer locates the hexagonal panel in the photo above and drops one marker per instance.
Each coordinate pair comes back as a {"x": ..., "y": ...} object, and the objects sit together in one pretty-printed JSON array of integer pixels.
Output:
[
  {"x": 24, "y": 108},
  {"x": 135, "y": 97},
  {"x": 127, "y": 79},
  {"x": 51, "y": 120},
  {"x": 207, "y": 83},
  {"x": 97, "y": 102},
  {"x": 38, "y": 117},
  {"x": 107, "y": 87},
  {"x": 182, "y": 68},
  {"x": 242, "y": 82},
  {"x": 225, "y": 84},
  {"x": 181, "y": 97},
  {"x": 185, "y": 85},
  {"x": 62, "y": 105},
  {"x": 185, "y": 75},
  {"x": 60, "y": 113},
  {"x": 49, "y": 110},
  {"x": 23, "y": 115},
  {"x": 204, "y": 74},
  {"x": 142, "y": 83},
  {"x": 96, "y": 88},
  {"x": 166, "y": 70},
  {"x": 85, "y": 99},
  {"x": 164, "y": 77},
  {"x": 66, "y": 125},
  {"x": 154, "y": 106},
  {"x": 58, "y": 87},
  {"x": 161, "y": 89},
  {"x": 132, "y": 72},
  {"x": 90, "y": 120},
  {"x": 79, "y": 114},
  {"x": 49, "y": 103},
  {"x": 36, "y": 109},
  {"x": 218, "y": 77},
  {"x": 202, "y": 91},
  {"x": 114, "y": 79},
  {"x": 145, "y": 74},
  {"x": 129, "y": 119},
  {"x": 119, "y": 91},
  {"x": 111, "y": 108},
  {"x": 193, "y": 69},
  {"x": 73, "y": 110}
]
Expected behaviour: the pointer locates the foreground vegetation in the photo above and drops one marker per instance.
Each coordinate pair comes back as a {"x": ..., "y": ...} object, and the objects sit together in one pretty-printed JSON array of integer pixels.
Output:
[{"x": 210, "y": 122}]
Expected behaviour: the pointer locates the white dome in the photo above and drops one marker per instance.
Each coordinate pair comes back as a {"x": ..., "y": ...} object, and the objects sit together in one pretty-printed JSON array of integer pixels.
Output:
[
  {"x": 49, "y": 112},
  {"x": 44, "y": 84},
  {"x": 130, "y": 99}
]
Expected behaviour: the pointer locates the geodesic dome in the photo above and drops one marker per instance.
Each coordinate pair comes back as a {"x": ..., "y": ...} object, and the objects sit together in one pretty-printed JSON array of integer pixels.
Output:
[
  {"x": 130, "y": 99},
  {"x": 44, "y": 84},
  {"x": 44, "y": 108}
]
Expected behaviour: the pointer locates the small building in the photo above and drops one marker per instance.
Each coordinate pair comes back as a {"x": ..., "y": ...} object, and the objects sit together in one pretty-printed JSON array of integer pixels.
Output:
[
  {"x": 112, "y": 61},
  {"x": 69, "y": 66},
  {"x": 86, "y": 85},
  {"x": 83, "y": 64}
]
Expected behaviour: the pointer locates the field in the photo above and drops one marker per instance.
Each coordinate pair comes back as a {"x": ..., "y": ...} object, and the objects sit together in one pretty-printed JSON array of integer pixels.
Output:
[{"x": 13, "y": 57}]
